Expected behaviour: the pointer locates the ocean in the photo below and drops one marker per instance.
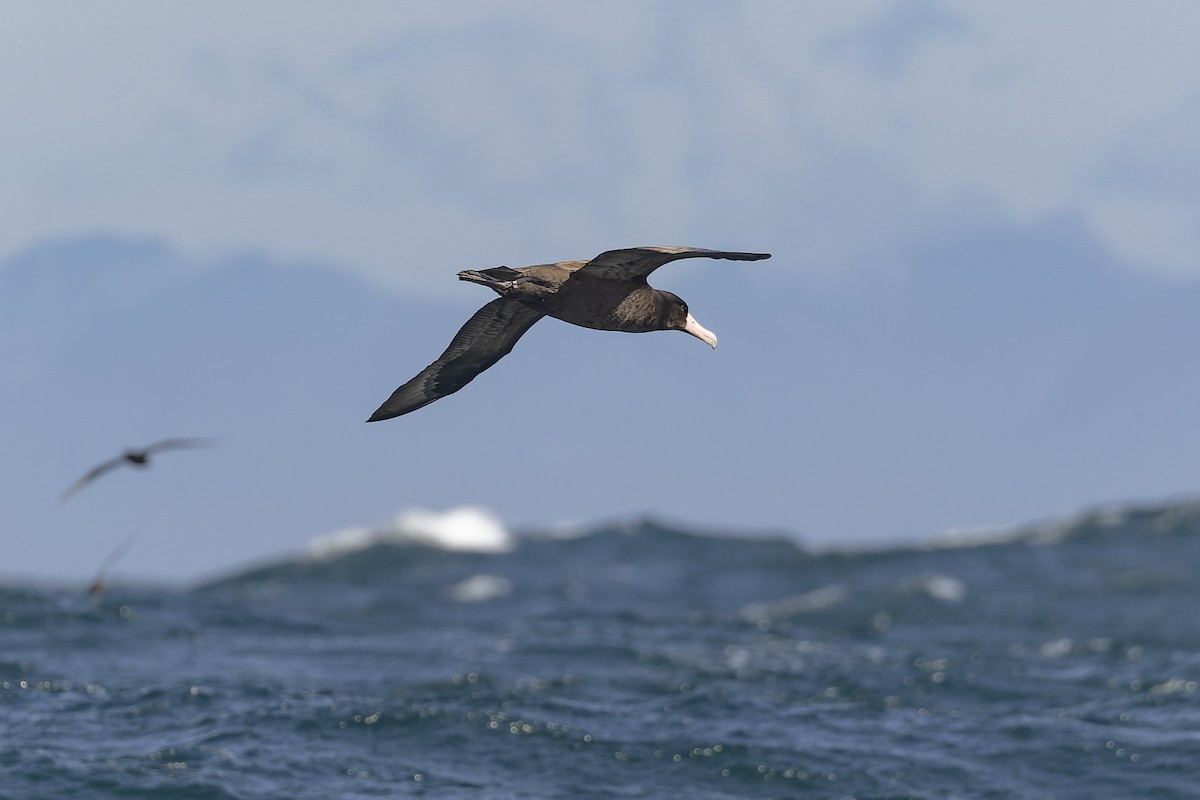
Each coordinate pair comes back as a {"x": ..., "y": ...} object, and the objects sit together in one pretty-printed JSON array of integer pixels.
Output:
[{"x": 1057, "y": 660}]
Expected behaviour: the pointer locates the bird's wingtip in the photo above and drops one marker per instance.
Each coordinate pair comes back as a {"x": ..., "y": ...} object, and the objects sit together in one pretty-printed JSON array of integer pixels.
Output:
[{"x": 381, "y": 414}]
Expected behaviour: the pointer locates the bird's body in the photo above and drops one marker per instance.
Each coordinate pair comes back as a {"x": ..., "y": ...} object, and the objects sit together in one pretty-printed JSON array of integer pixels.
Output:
[
  {"x": 608, "y": 293},
  {"x": 134, "y": 458}
]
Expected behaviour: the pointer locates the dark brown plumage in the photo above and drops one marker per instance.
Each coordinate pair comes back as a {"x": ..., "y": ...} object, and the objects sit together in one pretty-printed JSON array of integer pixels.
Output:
[
  {"x": 132, "y": 457},
  {"x": 608, "y": 293}
]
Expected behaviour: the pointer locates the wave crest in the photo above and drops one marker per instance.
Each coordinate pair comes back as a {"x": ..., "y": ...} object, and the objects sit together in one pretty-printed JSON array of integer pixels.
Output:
[{"x": 465, "y": 529}]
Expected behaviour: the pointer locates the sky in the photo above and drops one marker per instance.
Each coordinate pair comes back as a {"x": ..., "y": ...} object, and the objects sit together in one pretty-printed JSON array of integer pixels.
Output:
[{"x": 918, "y": 169}]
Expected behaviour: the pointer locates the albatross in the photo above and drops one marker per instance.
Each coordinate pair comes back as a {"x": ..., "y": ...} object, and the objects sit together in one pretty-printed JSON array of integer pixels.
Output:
[
  {"x": 608, "y": 293},
  {"x": 133, "y": 457}
]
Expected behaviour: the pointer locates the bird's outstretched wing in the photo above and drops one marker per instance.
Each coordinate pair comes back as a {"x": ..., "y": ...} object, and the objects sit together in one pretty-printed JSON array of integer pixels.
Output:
[
  {"x": 92, "y": 474},
  {"x": 176, "y": 444},
  {"x": 96, "y": 587},
  {"x": 632, "y": 263},
  {"x": 487, "y": 337},
  {"x": 100, "y": 469}
]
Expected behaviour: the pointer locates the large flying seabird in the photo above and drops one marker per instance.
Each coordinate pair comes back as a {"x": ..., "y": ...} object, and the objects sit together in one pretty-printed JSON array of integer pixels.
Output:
[{"x": 609, "y": 293}]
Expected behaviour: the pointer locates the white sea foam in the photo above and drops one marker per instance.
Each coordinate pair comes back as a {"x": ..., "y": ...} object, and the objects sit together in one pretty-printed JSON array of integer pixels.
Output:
[
  {"x": 1041, "y": 532},
  {"x": 1162, "y": 517},
  {"x": 465, "y": 529},
  {"x": 975, "y": 536},
  {"x": 939, "y": 587},
  {"x": 820, "y": 599},
  {"x": 478, "y": 588},
  {"x": 944, "y": 587}
]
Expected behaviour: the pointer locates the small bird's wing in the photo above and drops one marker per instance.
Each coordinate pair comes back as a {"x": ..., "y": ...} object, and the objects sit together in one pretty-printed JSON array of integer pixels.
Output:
[
  {"x": 92, "y": 474},
  {"x": 176, "y": 444},
  {"x": 97, "y": 584},
  {"x": 487, "y": 337},
  {"x": 633, "y": 263}
]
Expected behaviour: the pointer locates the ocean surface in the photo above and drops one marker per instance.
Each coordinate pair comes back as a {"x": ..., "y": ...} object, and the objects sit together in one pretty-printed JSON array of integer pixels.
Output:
[{"x": 1053, "y": 661}]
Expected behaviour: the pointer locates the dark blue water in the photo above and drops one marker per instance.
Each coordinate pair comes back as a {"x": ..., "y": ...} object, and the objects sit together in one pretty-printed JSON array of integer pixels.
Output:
[{"x": 1062, "y": 662}]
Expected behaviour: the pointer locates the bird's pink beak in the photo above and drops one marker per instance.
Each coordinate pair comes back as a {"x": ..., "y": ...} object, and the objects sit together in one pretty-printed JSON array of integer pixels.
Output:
[{"x": 700, "y": 332}]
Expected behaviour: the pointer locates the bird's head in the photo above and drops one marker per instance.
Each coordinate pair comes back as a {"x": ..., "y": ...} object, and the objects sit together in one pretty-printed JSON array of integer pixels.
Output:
[{"x": 678, "y": 318}]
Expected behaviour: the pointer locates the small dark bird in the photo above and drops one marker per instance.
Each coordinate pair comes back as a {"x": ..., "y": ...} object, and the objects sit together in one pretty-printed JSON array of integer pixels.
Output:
[
  {"x": 136, "y": 458},
  {"x": 608, "y": 293},
  {"x": 99, "y": 584}
]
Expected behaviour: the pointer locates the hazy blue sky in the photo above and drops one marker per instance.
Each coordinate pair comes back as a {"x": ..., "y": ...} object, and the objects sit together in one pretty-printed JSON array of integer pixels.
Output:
[{"x": 985, "y": 221}]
